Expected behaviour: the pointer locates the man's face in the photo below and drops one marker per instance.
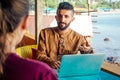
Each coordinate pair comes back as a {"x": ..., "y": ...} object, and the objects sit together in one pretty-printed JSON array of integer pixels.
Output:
[{"x": 64, "y": 18}]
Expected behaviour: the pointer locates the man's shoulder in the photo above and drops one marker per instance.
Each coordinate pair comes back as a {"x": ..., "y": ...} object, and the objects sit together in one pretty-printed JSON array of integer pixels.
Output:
[
  {"x": 48, "y": 29},
  {"x": 76, "y": 33}
]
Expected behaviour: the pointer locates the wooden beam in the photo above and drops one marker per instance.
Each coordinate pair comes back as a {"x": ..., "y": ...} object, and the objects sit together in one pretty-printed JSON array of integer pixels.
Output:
[
  {"x": 111, "y": 68},
  {"x": 88, "y": 3},
  {"x": 38, "y": 18}
]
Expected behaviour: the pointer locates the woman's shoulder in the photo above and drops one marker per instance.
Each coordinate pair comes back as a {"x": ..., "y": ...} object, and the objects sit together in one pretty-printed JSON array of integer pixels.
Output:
[
  {"x": 25, "y": 63},
  {"x": 29, "y": 66},
  {"x": 42, "y": 69}
]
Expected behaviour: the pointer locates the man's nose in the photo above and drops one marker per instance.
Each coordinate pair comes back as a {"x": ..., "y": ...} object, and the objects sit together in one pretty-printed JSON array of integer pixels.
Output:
[{"x": 62, "y": 19}]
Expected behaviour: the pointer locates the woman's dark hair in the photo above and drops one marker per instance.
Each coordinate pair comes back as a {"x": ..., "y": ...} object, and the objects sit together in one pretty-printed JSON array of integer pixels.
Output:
[{"x": 11, "y": 12}]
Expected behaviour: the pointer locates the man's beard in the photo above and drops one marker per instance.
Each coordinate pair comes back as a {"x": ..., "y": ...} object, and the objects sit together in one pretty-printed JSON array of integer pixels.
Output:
[{"x": 63, "y": 28}]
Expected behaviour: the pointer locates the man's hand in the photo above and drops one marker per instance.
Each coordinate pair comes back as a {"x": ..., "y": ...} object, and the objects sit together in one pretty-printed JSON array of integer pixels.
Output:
[
  {"x": 56, "y": 65},
  {"x": 87, "y": 39},
  {"x": 84, "y": 49}
]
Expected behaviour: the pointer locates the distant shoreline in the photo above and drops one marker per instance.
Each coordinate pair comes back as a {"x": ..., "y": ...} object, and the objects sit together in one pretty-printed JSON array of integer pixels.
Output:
[
  {"x": 117, "y": 11},
  {"x": 111, "y": 12}
]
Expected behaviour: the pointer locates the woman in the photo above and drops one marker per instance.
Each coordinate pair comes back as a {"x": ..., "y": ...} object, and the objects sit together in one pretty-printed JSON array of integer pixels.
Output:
[{"x": 13, "y": 18}]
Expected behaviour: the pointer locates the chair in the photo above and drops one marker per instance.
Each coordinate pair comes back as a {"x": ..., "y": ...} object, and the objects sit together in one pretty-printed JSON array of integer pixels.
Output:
[{"x": 26, "y": 51}]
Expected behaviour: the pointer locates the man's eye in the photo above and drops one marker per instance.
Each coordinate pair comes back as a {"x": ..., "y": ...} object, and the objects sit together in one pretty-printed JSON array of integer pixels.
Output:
[{"x": 66, "y": 16}]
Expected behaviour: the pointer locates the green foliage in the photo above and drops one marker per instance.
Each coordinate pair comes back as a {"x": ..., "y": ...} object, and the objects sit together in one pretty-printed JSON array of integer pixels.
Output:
[
  {"x": 78, "y": 3},
  {"x": 81, "y": 4},
  {"x": 50, "y": 3}
]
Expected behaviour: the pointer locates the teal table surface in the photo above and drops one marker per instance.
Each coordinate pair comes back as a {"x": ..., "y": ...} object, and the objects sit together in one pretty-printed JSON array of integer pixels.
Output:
[
  {"x": 102, "y": 76},
  {"x": 108, "y": 76}
]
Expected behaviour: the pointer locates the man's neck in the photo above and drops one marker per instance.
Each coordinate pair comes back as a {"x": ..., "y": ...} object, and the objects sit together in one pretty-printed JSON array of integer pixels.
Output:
[{"x": 63, "y": 31}]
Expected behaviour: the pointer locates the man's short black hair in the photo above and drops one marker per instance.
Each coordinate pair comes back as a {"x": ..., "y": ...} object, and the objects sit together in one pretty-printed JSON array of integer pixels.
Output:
[{"x": 65, "y": 5}]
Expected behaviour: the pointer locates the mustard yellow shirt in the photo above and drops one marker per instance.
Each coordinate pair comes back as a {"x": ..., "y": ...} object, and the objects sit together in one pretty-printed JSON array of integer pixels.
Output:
[{"x": 48, "y": 44}]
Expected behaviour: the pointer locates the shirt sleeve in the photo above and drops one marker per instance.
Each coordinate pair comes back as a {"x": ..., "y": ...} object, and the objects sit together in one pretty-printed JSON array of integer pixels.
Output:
[{"x": 41, "y": 53}]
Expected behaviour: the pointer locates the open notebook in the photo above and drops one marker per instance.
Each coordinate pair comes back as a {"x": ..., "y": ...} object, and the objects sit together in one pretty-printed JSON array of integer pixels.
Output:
[{"x": 80, "y": 67}]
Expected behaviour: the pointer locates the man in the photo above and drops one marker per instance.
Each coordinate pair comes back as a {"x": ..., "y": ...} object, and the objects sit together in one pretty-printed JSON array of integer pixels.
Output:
[{"x": 57, "y": 41}]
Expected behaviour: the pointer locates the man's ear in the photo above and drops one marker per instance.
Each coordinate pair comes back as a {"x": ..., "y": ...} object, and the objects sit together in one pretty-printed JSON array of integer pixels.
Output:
[
  {"x": 24, "y": 22},
  {"x": 56, "y": 17},
  {"x": 73, "y": 19}
]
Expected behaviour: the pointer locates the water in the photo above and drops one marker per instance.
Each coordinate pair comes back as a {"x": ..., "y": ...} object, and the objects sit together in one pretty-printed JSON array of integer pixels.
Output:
[{"x": 107, "y": 26}]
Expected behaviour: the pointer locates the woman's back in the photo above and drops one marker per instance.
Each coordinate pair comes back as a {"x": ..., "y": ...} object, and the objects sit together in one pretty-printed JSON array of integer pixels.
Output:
[
  {"x": 13, "y": 21},
  {"x": 17, "y": 68}
]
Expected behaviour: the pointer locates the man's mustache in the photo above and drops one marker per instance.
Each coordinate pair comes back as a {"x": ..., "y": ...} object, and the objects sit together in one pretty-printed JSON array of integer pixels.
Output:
[{"x": 62, "y": 23}]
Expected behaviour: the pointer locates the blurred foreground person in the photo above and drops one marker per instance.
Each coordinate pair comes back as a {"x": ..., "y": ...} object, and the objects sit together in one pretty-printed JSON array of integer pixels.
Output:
[{"x": 13, "y": 19}]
